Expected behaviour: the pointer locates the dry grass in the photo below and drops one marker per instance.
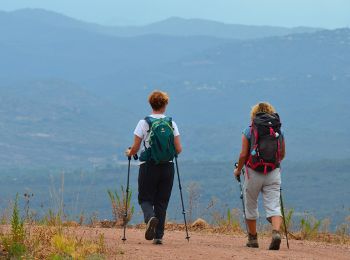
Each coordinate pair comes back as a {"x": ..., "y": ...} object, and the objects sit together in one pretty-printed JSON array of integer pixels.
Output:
[
  {"x": 29, "y": 240},
  {"x": 119, "y": 199},
  {"x": 53, "y": 242}
]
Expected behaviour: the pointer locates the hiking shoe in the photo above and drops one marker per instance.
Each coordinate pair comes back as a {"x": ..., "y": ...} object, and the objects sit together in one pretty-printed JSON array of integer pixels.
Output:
[
  {"x": 252, "y": 241},
  {"x": 157, "y": 241},
  {"x": 276, "y": 240},
  {"x": 151, "y": 228}
]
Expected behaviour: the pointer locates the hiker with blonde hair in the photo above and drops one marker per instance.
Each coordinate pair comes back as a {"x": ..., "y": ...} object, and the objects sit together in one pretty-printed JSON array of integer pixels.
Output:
[
  {"x": 263, "y": 149},
  {"x": 160, "y": 138}
]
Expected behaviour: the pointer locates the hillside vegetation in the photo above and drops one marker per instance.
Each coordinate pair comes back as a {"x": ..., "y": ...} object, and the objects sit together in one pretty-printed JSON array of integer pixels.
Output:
[{"x": 72, "y": 95}]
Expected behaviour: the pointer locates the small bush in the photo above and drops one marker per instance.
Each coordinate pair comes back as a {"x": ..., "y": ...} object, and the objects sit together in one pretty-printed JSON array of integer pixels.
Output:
[
  {"x": 309, "y": 227},
  {"x": 118, "y": 206},
  {"x": 17, "y": 224},
  {"x": 14, "y": 242}
]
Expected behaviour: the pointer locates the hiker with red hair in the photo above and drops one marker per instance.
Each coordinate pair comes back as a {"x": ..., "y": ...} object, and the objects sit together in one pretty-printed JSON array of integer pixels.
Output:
[{"x": 160, "y": 140}]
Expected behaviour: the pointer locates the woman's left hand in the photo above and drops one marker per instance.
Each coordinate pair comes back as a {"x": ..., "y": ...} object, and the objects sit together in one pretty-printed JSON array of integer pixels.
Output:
[{"x": 236, "y": 173}]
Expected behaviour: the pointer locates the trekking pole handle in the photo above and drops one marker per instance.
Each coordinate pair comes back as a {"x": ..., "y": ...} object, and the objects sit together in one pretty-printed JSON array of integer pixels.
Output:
[
  {"x": 129, "y": 157},
  {"x": 237, "y": 177}
]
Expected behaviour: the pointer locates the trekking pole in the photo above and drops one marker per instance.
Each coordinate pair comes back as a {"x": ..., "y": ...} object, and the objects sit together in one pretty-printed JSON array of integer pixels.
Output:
[
  {"x": 242, "y": 198},
  {"x": 182, "y": 201},
  {"x": 284, "y": 219},
  {"x": 127, "y": 195}
]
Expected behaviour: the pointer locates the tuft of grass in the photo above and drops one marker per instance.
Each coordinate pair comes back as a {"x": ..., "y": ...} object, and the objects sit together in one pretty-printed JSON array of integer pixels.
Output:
[
  {"x": 194, "y": 195},
  {"x": 325, "y": 223},
  {"x": 6, "y": 214},
  {"x": 48, "y": 242},
  {"x": 228, "y": 222},
  {"x": 118, "y": 202},
  {"x": 343, "y": 230},
  {"x": 309, "y": 227},
  {"x": 53, "y": 218},
  {"x": 14, "y": 242},
  {"x": 17, "y": 224},
  {"x": 66, "y": 246},
  {"x": 288, "y": 218}
]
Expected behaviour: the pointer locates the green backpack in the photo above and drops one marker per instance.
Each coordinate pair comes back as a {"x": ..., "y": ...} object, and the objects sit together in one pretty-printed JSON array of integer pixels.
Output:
[{"x": 161, "y": 140}]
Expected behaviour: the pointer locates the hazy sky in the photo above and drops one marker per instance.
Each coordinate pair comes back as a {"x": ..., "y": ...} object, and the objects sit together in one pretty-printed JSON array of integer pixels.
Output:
[{"x": 320, "y": 13}]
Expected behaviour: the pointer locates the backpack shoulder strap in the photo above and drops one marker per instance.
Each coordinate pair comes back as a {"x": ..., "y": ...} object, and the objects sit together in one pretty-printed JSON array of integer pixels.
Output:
[
  {"x": 169, "y": 120},
  {"x": 149, "y": 120}
]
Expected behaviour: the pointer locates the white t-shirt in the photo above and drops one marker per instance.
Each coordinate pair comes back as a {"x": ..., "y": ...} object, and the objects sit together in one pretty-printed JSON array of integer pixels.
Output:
[{"x": 142, "y": 128}]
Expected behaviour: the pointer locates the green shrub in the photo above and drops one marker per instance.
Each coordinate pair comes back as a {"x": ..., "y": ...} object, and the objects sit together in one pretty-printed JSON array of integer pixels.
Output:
[
  {"x": 17, "y": 224},
  {"x": 309, "y": 227},
  {"x": 14, "y": 242}
]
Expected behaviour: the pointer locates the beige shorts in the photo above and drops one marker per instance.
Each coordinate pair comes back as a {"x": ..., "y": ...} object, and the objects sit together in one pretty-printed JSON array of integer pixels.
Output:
[{"x": 269, "y": 185}]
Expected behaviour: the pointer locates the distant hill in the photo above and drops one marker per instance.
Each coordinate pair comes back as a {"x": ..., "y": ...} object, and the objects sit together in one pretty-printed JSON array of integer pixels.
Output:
[
  {"x": 173, "y": 26},
  {"x": 36, "y": 48},
  {"x": 176, "y": 26},
  {"x": 318, "y": 54},
  {"x": 48, "y": 121}
]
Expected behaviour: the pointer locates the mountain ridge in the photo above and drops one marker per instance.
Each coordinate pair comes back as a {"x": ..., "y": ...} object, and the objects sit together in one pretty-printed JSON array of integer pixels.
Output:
[{"x": 175, "y": 26}]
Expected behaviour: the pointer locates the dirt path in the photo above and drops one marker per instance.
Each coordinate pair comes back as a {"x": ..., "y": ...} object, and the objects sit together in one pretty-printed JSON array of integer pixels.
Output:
[{"x": 213, "y": 246}]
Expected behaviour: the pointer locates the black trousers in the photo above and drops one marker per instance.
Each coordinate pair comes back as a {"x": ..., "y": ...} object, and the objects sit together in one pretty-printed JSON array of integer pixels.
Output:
[{"x": 155, "y": 185}]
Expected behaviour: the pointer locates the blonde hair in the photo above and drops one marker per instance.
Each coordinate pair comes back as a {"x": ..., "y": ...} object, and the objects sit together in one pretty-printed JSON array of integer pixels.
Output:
[
  {"x": 158, "y": 100},
  {"x": 262, "y": 107}
]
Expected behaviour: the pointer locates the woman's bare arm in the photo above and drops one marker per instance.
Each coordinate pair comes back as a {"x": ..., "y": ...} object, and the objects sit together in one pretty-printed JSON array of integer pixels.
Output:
[
  {"x": 177, "y": 144},
  {"x": 136, "y": 146},
  {"x": 243, "y": 156},
  {"x": 283, "y": 150}
]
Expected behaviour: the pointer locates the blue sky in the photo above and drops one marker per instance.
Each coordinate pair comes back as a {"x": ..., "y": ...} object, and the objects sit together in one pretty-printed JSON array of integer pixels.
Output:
[{"x": 318, "y": 13}]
